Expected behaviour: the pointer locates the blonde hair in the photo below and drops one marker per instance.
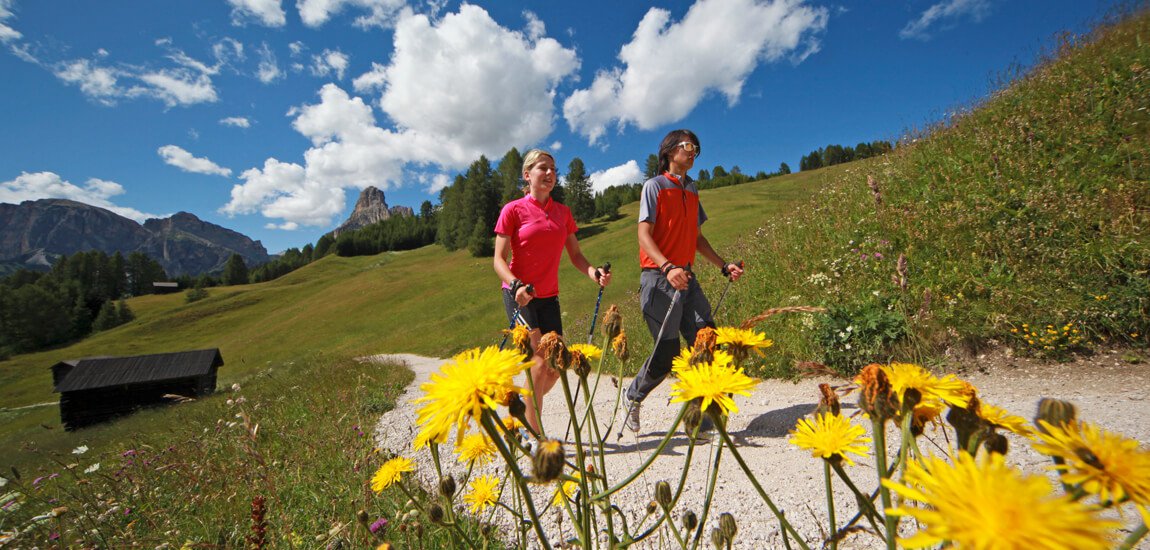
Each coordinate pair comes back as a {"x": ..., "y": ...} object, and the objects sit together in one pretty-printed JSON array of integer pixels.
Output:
[{"x": 532, "y": 157}]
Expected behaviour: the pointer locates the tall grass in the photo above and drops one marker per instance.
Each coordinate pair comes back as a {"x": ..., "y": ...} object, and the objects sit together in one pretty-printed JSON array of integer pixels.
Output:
[
  {"x": 297, "y": 437},
  {"x": 1022, "y": 221}
]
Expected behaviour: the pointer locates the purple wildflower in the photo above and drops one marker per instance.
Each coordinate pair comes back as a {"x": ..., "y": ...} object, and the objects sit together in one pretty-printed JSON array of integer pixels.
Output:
[
  {"x": 878, "y": 255},
  {"x": 378, "y": 525}
]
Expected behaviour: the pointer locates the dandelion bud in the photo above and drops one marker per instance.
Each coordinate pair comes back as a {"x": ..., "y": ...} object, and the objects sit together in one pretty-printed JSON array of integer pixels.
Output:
[
  {"x": 580, "y": 363},
  {"x": 447, "y": 487},
  {"x": 828, "y": 400},
  {"x": 703, "y": 351},
  {"x": 1055, "y": 412},
  {"x": 690, "y": 521},
  {"x": 728, "y": 527},
  {"x": 875, "y": 397},
  {"x": 910, "y": 399},
  {"x": 663, "y": 494},
  {"x": 619, "y": 347},
  {"x": 612, "y": 322},
  {"x": 968, "y": 425},
  {"x": 554, "y": 351},
  {"x": 995, "y": 443},
  {"x": 548, "y": 461},
  {"x": 717, "y": 539},
  {"x": 693, "y": 416},
  {"x": 362, "y": 517},
  {"x": 435, "y": 514},
  {"x": 516, "y": 406}
]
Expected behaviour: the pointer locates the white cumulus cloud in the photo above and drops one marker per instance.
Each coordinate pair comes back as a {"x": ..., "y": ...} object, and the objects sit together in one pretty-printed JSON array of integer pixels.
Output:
[
  {"x": 380, "y": 13},
  {"x": 330, "y": 62},
  {"x": 454, "y": 89},
  {"x": 268, "y": 70},
  {"x": 49, "y": 185},
  {"x": 178, "y": 157},
  {"x": 944, "y": 13},
  {"x": 624, "y": 174},
  {"x": 187, "y": 83},
  {"x": 236, "y": 121},
  {"x": 7, "y": 34},
  {"x": 269, "y": 13},
  {"x": 669, "y": 67},
  {"x": 179, "y": 87}
]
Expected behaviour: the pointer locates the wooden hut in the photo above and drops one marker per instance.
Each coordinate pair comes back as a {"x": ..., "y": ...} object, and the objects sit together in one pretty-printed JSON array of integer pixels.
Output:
[{"x": 96, "y": 389}]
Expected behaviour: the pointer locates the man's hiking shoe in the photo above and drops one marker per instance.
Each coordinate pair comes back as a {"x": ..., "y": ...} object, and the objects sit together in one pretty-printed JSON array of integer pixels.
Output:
[
  {"x": 529, "y": 442},
  {"x": 632, "y": 419}
]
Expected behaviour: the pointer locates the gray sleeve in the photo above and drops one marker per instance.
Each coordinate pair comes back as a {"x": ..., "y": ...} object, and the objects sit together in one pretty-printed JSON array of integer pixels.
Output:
[{"x": 648, "y": 201}]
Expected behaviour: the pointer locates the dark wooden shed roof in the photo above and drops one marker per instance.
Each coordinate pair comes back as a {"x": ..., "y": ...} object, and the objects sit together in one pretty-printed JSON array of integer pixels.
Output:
[{"x": 100, "y": 372}]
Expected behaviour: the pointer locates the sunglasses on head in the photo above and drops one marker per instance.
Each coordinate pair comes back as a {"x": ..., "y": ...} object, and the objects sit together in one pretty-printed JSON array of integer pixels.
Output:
[{"x": 690, "y": 147}]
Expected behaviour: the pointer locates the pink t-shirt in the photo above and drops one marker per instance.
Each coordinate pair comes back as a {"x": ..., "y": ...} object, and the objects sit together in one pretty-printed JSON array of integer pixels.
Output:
[{"x": 537, "y": 233}]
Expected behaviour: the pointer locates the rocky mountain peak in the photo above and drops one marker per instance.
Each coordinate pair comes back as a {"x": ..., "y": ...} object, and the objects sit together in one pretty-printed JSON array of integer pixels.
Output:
[{"x": 371, "y": 207}]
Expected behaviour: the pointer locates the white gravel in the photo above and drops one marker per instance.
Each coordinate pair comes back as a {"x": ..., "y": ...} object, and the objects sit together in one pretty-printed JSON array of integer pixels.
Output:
[{"x": 1107, "y": 391}]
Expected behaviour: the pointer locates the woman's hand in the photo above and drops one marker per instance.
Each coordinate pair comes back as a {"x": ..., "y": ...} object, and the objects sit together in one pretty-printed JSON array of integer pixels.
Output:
[
  {"x": 523, "y": 295},
  {"x": 600, "y": 275}
]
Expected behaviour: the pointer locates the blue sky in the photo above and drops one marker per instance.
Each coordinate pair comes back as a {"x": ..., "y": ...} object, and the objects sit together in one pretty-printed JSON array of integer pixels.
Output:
[{"x": 269, "y": 116}]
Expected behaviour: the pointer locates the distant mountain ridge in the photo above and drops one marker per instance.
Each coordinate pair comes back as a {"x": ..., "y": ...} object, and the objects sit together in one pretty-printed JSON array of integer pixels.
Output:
[{"x": 33, "y": 231}]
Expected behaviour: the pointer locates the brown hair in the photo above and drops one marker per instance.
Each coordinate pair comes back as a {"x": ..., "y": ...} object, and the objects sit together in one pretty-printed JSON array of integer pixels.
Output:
[{"x": 675, "y": 137}]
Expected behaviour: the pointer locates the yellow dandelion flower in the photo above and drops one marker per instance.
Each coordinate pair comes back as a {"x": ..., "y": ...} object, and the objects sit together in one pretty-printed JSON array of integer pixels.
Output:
[
  {"x": 987, "y": 504},
  {"x": 427, "y": 436},
  {"x": 830, "y": 436},
  {"x": 484, "y": 493},
  {"x": 926, "y": 413},
  {"x": 949, "y": 389},
  {"x": 713, "y": 382},
  {"x": 474, "y": 380},
  {"x": 475, "y": 448},
  {"x": 511, "y": 424},
  {"x": 564, "y": 492},
  {"x": 682, "y": 362},
  {"x": 745, "y": 340},
  {"x": 590, "y": 351},
  {"x": 999, "y": 418},
  {"x": 1103, "y": 463},
  {"x": 391, "y": 472}
]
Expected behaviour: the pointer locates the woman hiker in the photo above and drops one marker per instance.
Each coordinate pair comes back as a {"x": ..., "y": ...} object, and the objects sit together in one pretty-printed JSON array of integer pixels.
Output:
[
  {"x": 670, "y": 217},
  {"x": 535, "y": 230}
]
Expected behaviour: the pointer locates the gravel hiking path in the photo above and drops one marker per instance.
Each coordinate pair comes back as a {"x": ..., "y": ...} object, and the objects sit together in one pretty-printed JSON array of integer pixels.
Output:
[{"x": 1107, "y": 390}]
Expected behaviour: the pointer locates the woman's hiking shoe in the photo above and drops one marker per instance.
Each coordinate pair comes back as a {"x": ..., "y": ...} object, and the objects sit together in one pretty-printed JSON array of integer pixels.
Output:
[{"x": 530, "y": 443}]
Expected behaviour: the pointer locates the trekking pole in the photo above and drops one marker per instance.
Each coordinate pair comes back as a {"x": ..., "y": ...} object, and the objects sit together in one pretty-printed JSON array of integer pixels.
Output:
[
  {"x": 590, "y": 335},
  {"x": 595, "y": 317},
  {"x": 517, "y": 317},
  {"x": 659, "y": 338},
  {"x": 715, "y": 311}
]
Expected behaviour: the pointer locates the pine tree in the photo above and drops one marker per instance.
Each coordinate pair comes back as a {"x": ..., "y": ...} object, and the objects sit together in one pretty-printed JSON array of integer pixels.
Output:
[
  {"x": 579, "y": 197},
  {"x": 107, "y": 318},
  {"x": 236, "y": 271},
  {"x": 652, "y": 168}
]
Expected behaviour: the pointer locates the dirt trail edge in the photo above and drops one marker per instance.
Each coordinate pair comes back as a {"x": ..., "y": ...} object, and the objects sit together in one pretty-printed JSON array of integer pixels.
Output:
[{"x": 1107, "y": 390}]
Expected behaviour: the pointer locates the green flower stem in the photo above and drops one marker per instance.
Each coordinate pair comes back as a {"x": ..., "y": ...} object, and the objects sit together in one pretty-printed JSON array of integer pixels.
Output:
[
  {"x": 597, "y": 451},
  {"x": 758, "y": 487},
  {"x": 671, "y": 524},
  {"x": 489, "y": 425},
  {"x": 714, "y": 478},
  {"x": 678, "y": 491},
  {"x": 454, "y": 530},
  {"x": 647, "y": 463},
  {"x": 869, "y": 510},
  {"x": 584, "y": 526},
  {"x": 905, "y": 443},
  {"x": 1134, "y": 537},
  {"x": 890, "y": 521},
  {"x": 830, "y": 504}
]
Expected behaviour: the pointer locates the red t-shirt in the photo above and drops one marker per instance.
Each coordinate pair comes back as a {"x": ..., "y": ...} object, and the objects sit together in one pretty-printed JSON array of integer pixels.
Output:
[{"x": 537, "y": 233}]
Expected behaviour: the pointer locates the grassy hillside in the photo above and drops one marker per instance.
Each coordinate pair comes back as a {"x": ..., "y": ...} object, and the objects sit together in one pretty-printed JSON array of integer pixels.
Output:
[{"x": 1022, "y": 221}]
